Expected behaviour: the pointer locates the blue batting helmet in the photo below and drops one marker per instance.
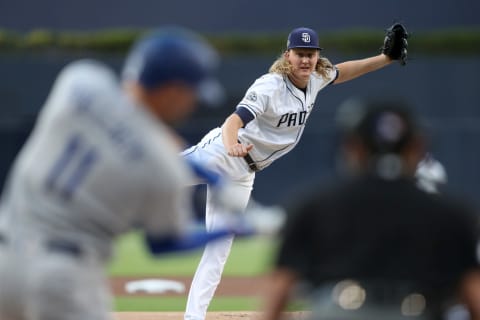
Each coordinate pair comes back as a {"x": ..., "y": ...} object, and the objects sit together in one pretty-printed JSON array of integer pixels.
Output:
[{"x": 171, "y": 54}]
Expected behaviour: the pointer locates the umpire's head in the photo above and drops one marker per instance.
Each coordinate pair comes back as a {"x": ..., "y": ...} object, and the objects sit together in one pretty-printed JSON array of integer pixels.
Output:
[{"x": 380, "y": 136}]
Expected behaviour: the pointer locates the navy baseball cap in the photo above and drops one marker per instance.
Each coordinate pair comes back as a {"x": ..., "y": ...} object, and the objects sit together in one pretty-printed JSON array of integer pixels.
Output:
[
  {"x": 174, "y": 54},
  {"x": 303, "y": 38}
]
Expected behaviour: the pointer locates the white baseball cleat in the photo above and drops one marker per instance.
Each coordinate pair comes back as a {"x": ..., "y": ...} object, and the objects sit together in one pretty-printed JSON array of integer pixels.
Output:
[{"x": 265, "y": 220}]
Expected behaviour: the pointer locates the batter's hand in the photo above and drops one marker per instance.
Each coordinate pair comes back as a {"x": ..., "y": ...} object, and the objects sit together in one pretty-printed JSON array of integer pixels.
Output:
[{"x": 239, "y": 150}]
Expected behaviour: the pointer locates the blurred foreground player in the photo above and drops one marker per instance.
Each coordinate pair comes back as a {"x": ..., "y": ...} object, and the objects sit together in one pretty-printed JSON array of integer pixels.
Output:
[
  {"x": 376, "y": 246},
  {"x": 101, "y": 161}
]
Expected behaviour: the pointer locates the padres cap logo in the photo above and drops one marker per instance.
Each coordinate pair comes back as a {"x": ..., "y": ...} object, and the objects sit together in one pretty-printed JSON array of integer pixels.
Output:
[
  {"x": 303, "y": 38},
  {"x": 306, "y": 37}
]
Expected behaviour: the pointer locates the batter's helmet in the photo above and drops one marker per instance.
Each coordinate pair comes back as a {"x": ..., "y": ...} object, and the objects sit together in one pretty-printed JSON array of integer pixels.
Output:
[{"x": 173, "y": 54}]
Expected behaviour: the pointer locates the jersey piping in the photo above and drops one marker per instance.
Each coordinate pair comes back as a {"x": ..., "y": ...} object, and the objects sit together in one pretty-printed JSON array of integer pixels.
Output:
[{"x": 301, "y": 129}]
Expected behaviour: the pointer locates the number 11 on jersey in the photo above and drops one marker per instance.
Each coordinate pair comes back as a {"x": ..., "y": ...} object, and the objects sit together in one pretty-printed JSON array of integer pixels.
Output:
[{"x": 71, "y": 168}]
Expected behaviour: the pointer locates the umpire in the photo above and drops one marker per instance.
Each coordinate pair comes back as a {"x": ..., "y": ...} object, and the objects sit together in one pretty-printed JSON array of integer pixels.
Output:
[{"x": 375, "y": 246}]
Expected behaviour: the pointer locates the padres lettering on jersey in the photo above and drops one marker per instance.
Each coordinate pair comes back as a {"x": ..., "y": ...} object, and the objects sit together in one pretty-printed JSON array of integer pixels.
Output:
[
  {"x": 292, "y": 119},
  {"x": 281, "y": 111}
]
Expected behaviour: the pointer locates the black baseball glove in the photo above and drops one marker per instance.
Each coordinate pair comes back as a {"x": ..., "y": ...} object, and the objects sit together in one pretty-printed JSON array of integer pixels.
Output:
[{"x": 395, "y": 43}]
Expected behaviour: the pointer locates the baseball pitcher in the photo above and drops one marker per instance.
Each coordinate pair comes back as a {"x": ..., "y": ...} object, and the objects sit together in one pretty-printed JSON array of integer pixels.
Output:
[{"x": 267, "y": 124}]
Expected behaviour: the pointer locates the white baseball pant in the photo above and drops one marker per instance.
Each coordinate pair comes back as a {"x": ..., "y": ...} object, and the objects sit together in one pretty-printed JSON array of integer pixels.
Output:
[{"x": 211, "y": 153}]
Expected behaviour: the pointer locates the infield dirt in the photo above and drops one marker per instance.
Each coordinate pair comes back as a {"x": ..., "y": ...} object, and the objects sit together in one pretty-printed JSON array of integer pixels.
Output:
[
  {"x": 237, "y": 315},
  {"x": 229, "y": 286}
]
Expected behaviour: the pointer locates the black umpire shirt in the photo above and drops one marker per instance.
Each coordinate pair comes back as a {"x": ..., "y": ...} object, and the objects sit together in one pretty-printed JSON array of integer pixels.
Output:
[{"x": 387, "y": 232}]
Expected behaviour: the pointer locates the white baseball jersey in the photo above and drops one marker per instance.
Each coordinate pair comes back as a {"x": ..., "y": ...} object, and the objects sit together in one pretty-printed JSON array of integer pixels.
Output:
[
  {"x": 280, "y": 112},
  {"x": 95, "y": 166}
]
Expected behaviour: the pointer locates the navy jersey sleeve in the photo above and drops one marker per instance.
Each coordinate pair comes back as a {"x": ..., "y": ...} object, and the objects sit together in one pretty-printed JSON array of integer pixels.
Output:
[
  {"x": 245, "y": 114},
  {"x": 337, "y": 73}
]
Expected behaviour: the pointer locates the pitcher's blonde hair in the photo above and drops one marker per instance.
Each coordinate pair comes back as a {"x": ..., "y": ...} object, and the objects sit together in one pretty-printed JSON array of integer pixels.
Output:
[{"x": 283, "y": 66}]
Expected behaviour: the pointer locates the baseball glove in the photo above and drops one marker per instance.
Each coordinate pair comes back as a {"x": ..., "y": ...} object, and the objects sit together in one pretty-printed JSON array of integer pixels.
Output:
[{"x": 395, "y": 43}]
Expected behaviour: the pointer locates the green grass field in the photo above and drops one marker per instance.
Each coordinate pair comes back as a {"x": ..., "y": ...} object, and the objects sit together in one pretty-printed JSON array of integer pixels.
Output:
[
  {"x": 248, "y": 257},
  {"x": 178, "y": 304}
]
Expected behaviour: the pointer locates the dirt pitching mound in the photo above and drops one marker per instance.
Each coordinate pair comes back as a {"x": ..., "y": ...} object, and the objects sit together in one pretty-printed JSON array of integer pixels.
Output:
[
  {"x": 221, "y": 315},
  {"x": 229, "y": 286}
]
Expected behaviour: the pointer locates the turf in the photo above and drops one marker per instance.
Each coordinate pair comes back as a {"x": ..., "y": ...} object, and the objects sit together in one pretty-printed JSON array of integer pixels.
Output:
[
  {"x": 248, "y": 257},
  {"x": 178, "y": 303}
]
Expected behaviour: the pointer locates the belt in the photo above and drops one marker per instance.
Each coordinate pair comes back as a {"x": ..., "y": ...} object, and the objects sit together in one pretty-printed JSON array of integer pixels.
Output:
[
  {"x": 251, "y": 164},
  {"x": 56, "y": 245},
  {"x": 64, "y": 246}
]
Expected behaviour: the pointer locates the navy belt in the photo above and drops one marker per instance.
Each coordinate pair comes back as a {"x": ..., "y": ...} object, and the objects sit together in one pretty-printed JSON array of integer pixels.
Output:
[
  {"x": 65, "y": 246},
  {"x": 56, "y": 245},
  {"x": 251, "y": 164}
]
